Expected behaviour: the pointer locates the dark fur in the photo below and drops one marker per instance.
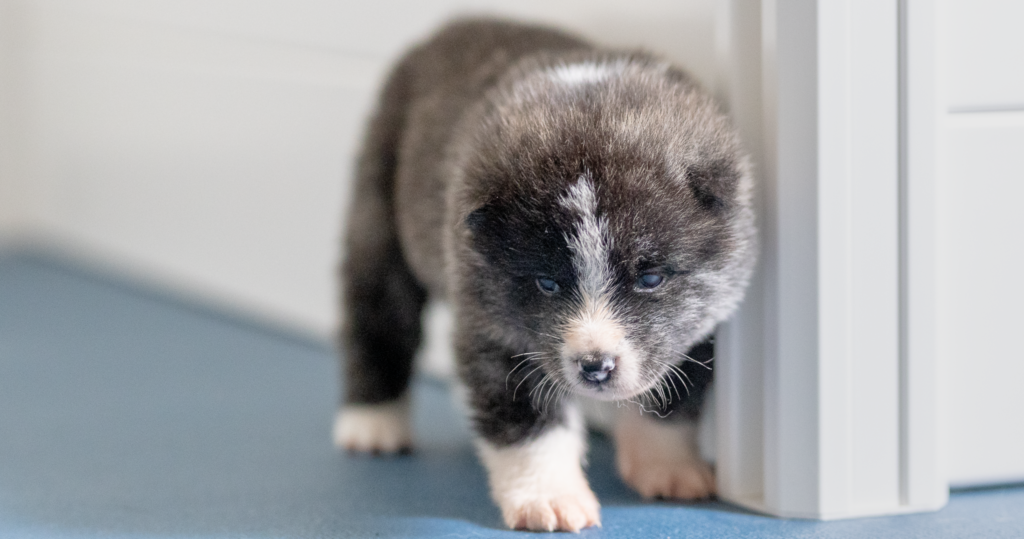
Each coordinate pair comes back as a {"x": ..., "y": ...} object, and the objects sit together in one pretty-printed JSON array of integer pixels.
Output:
[{"x": 457, "y": 197}]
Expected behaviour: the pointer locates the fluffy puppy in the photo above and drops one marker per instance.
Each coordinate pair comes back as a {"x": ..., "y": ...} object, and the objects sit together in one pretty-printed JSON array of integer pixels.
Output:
[{"x": 586, "y": 213}]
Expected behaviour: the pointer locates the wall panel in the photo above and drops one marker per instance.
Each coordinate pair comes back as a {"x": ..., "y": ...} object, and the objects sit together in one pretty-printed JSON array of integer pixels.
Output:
[{"x": 980, "y": 252}]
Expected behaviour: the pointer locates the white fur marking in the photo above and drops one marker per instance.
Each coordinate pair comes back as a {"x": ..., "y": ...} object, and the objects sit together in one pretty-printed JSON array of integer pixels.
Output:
[
  {"x": 661, "y": 459},
  {"x": 592, "y": 242},
  {"x": 539, "y": 485},
  {"x": 586, "y": 72},
  {"x": 382, "y": 428},
  {"x": 437, "y": 357},
  {"x": 595, "y": 327}
]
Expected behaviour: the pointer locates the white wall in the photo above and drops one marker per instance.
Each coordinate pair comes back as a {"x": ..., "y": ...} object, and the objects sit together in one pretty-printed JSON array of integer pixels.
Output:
[
  {"x": 10, "y": 198},
  {"x": 207, "y": 144}
]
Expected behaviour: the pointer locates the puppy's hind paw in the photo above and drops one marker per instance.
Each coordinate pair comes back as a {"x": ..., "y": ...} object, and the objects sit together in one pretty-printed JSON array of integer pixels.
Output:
[
  {"x": 661, "y": 460},
  {"x": 374, "y": 428},
  {"x": 682, "y": 480}
]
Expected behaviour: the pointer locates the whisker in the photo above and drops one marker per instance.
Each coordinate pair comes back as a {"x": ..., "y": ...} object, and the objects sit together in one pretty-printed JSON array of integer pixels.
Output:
[
  {"x": 656, "y": 388},
  {"x": 672, "y": 386},
  {"x": 684, "y": 378},
  {"x": 537, "y": 368},
  {"x": 643, "y": 409},
  {"x": 534, "y": 357},
  {"x": 566, "y": 390},
  {"x": 681, "y": 374},
  {"x": 649, "y": 397},
  {"x": 537, "y": 389},
  {"x": 526, "y": 354},
  {"x": 701, "y": 363},
  {"x": 551, "y": 394},
  {"x": 538, "y": 398},
  {"x": 542, "y": 334},
  {"x": 514, "y": 370},
  {"x": 687, "y": 377},
  {"x": 660, "y": 389},
  {"x": 682, "y": 382},
  {"x": 544, "y": 396}
]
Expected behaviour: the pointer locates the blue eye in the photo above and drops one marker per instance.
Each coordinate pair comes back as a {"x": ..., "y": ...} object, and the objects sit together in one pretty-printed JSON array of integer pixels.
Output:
[
  {"x": 547, "y": 286},
  {"x": 650, "y": 281}
]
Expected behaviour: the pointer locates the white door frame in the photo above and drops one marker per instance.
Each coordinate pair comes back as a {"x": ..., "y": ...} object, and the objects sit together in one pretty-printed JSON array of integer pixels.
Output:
[{"x": 828, "y": 388}]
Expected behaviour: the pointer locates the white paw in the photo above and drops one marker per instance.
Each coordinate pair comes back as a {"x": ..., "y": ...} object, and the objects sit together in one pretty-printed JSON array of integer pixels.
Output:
[
  {"x": 564, "y": 511},
  {"x": 539, "y": 485},
  {"x": 661, "y": 460},
  {"x": 374, "y": 428}
]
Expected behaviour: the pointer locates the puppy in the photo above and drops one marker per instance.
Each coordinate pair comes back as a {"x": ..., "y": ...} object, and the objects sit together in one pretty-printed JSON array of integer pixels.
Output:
[{"x": 586, "y": 213}]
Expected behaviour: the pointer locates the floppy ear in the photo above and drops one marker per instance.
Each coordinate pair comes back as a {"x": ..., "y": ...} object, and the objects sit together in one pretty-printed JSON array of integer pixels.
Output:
[
  {"x": 477, "y": 219},
  {"x": 490, "y": 234},
  {"x": 713, "y": 184}
]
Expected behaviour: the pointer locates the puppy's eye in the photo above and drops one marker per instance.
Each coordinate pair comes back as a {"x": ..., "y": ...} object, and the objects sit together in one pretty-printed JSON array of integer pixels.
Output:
[
  {"x": 649, "y": 281},
  {"x": 547, "y": 286}
]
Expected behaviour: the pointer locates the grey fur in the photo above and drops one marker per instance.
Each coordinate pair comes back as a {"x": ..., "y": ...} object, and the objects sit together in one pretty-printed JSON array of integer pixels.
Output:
[{"x": 460, "y": 194}]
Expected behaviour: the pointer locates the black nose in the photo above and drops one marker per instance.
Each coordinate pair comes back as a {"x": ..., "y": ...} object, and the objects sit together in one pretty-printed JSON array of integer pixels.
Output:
[{"x": 597, "y": 368}]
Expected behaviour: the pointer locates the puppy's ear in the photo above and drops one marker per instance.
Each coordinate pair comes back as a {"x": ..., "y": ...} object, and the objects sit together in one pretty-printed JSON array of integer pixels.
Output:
[
  {"x": 714, "y": 184},
  {"x": 477, "y": 219},
  {"x": 489, "y": 233},
  {"x": 496, "y": 234}
]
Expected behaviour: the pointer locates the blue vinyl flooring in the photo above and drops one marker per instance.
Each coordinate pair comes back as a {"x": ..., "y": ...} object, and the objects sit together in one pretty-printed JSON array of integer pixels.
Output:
[{"x": 128, "y": 413}]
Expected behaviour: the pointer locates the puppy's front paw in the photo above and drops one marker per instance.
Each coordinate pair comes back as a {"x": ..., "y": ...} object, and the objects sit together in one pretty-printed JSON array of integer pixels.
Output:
[
  {"x": 660, "y": 460},
  {"x": 539, "y": 484},
  {"x": 374, "y": 428},
  {"x": 562, "y": 511}
]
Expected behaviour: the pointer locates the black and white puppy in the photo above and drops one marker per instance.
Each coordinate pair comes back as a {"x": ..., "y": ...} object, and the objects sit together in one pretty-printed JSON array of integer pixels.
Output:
[{"x": 587, "y": 215}]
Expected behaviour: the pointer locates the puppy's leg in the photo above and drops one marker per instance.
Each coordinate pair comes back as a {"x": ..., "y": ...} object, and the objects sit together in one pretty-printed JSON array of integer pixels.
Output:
[
  {"x": 380, "y": 338},
  {"x": 538, "y": 482},
  {"x": 659, "y": 456},
  {"x": 533, "y": 447},
  {"x": 382, "y": 299},
  {"x": 660, "y": 459}
]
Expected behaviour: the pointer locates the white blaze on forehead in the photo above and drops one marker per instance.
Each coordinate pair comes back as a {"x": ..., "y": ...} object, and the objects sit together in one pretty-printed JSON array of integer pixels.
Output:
[
  {"x": 586, "y": 72},
  {"x": 591, "y": 244}
]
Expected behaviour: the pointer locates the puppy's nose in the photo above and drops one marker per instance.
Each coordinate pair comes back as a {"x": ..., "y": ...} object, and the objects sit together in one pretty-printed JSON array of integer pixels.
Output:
[{"x": 597, "y": 368}]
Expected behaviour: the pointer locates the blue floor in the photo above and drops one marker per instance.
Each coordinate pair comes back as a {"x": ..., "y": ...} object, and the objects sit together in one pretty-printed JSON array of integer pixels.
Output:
[{"x": 125, "y": 412}]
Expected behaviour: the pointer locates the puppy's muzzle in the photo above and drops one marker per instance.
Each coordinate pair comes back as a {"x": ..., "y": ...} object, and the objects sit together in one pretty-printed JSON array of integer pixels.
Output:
[{"x": 596, "y": 368}]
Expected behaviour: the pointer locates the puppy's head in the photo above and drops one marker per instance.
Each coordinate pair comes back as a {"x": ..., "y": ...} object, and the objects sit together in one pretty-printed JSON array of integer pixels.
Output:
[{"x": 609, "y": 221}]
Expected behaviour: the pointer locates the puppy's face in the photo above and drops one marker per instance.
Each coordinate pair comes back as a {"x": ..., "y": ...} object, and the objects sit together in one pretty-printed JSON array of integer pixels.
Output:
[
  {"x": 609, "y": 282},
  {"x": 610, "y": 234}
]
